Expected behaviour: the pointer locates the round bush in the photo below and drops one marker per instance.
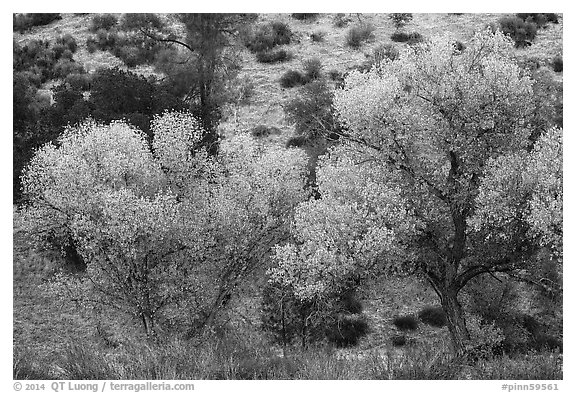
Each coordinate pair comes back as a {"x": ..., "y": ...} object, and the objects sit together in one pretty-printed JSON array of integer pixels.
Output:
[
  {"x": 262, "y": 131},
  {"x": 410, "y": 38},
  {"x": 358, "y": 34},
  {"x": 558, "y": 64},
  {"x": 312, "y": 68},
  {"x": 407, "y": 322},
  {"x": 297, "y": 141},
  {"x": 398, "y": 341},
  {"x": 520, "y": 31},
  {"x": 433, "y": 316},
  {"x": 317, "y": 36},
  {"x": 103, "y": 21},
  {"x": 273, "y": 56},
  {"x": 292, "y": 78}
]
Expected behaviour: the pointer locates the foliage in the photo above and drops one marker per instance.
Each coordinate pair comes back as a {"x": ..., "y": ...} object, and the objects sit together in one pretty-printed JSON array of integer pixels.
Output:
[
  {"x": 68, "y": 41},
  {"x": 541, "y": 20},
  {"x": 304, "y": 17},
  {"x": 433, "y": 316},
  {"x": 410, "y": 38},
  {"x": 398, "y": 340},
  {"x": 103, "y": 22},
  {"x": 317, "y": 36},
  {"x": 266, "y": 36},
  {"x": 23, "y": 22},
  {"x": 292, "y": 78},
  {"x": 399, "y": 193},
  {"x": 262, "y": 131},
  {"x": 358, "y": 34},
  {"x": 522, "y": 32},
  {"x": 400, "y": 20},
  {"x": 557, "y": 64},
  {"x": 407, "y": 322},
  {"x": 312, "y": 68},
  {"x": 158, "y": 230},
  {"x": 274, "y": 56},
  {"x": 340, "y": 20},
  {"x": 312, "y": 112}
]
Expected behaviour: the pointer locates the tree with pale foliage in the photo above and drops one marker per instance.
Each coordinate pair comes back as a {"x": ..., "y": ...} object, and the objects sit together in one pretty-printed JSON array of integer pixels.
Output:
[
  {"x": 166, "y": 234},
  {"x": 408, "y": 189}
]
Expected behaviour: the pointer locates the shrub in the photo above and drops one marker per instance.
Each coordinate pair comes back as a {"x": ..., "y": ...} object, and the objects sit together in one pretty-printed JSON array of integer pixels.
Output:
[
  {"x": 383, "y": 52},
  {"x": 410, "y": 38},
  {"x": 297, "y": 141},
  {"x": 91, "y": 45},
  {"x": 340, "y": 20},
  {"x": 400, "y": 20},
  {"x": 262, "y": 131},
  {"x": 398, "y": 341},
  {"x": 317, "y": 36},
  {"x": 274, "y": 56},
  {"x": 292, "y": 78},
  {"x": 541, "y": 20},
  {"x": 106, "y": 39},
  {"x": 407, "y": 322},
  {"x": 433, "y": 316},
  {"x": 358, "y": 34},
  {"x": 103, "y": 22},
  {"x": 23, "y": 22},
  {"x": 79, "y": 81},
  {"x": 312, "y": 68},
  {"x": 65, "y": 67},
  {"x": 267, "y": 36},
  {"x": 306, "y": 17},
  {"x": 557, "y": 64},
  {"x": 521, "y": 32},
  {"x": 459, "y": 46},
  {"x": 68, "y": 41},
  {"x": 347, "y": 330}
]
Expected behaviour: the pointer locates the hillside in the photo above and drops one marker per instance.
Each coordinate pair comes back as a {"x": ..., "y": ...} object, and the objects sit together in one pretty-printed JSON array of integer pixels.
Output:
[{"x": 58, "y": 336}]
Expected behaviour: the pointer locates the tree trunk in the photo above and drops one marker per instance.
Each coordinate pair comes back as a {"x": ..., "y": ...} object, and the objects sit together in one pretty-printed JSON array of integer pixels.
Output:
[
  {"x": 455, "y": 319},
  {"x": 148, "y": 324}
]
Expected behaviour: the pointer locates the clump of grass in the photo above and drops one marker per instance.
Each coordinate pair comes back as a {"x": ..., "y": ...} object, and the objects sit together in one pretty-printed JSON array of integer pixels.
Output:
[
  {"x": 103, "y": 22},
  {"x": 312, "y": 68},
  {"x": 292, "y": 78},
  {"x": 262, "y": 131},
  {"x": 558, "y": 64},
  {"x": 520, "y": 31},
  {"x": 407, "y": 322},
  {"x": 274, "y": 56},
  {"x": 433, "y": 316},
  {"x": 304, "y": 17},
  {"x": 410, "y": 38},
  {"x": 317, "y": 36},
  {"x": 359, "y": 34},
  {"x": 267, "y": 36},
  {"x": 398, "y": 340}
]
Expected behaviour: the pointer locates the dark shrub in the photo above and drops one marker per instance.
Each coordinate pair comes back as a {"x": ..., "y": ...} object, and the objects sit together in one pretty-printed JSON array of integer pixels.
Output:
[
  {"x": 65, "y": 67},
  {"x": 282, "y": 33},
  {"x": 557, "y": 64},
  {"x": 23, "y": 22},
  {"x": 410, "y": 38},
  {"x": 358, "y": 34},
  {"x": 459, "y": 46},
  {"x": 541, "y": 20},
  {"x": 79, "y": 81},
  {"x": 68, "y": 41},
  {"x": 347, "y": 330},
  {"x": 91, "y": 45},
  {"x": 407, "y": 322},
  {"x": 521, "y": 32},
  {"x": 292, "y": 78},
  {"x": 398, "y": 341},
  {"x": 433, "y": 316},
  {"x": 297, "y": 141},
  {"x": 103, "y": 22},
  {"x": 262, "y": 131},
  {"x": 312, "y": 68},
  {"x": 400, "y": 20},
  {"x": 336, "y": 75},
  {"x": 304, "y": 16},
  {"x": 341, "y": 20},
  {"x": 273, "y": 56},
  {"x": 267, "y": 36},
  {"x": 317, "y": 36},
  {"x": 312, "y": 111},
  {"x": 106, "y": 40}
]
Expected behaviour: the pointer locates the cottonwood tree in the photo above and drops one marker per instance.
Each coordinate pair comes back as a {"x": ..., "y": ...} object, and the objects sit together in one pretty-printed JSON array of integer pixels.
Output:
[
  {"x": 166, "y": 235},
  {"x": 400, "y": 192}
]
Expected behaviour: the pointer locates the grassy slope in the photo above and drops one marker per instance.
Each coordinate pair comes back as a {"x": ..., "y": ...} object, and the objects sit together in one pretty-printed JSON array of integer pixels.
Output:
[{"x": 45, "y": 327}]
